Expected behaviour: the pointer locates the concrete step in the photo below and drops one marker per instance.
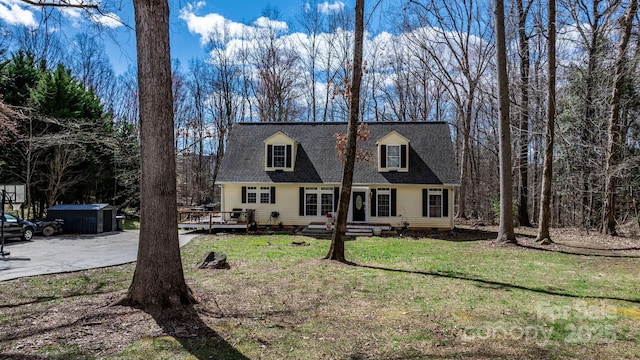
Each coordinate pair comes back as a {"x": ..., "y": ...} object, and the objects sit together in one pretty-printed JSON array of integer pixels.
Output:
[{"x": 357, "y": 231}]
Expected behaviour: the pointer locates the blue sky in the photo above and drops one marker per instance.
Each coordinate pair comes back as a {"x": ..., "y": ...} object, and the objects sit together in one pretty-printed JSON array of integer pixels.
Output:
[{"x": 190, "y": 21}]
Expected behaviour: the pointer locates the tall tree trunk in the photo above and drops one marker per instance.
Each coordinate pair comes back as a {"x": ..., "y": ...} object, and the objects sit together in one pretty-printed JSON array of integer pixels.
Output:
[
  {"x": 158, "y": 281},
  {"x": 586, "y": 138},
  {"x": 523, "y": 158},
  {"x": 609, "y": 207},
  {"x": 336, "y": 251},
  {"x": 464, "y": 158},
  {"x": 219, "y": 156},
  {"x": 506, "y": 232},
  {"x": 547, "y": 171}
]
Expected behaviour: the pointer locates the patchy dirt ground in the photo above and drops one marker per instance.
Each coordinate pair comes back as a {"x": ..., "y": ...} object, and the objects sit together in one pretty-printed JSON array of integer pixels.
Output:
[{"x": 100, "y": 329}]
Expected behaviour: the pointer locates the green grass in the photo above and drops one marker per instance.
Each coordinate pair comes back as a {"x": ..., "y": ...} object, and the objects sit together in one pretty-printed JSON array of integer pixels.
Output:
[
  {"x": 131, "y": 224},
  {"x": 406, "y": 298}
]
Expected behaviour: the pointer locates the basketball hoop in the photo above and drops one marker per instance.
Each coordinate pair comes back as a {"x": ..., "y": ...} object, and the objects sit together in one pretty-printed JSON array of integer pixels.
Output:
[
  {"x": 16, "y": 206},
  {"x": 14, "y": 194}
]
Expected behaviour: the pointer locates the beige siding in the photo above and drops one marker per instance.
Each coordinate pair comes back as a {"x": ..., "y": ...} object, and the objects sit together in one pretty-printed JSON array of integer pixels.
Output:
[
  {"x": 408, "y": 206},
  {"x": 287, "y": 204},
  {"x": 409, "y": 209}
]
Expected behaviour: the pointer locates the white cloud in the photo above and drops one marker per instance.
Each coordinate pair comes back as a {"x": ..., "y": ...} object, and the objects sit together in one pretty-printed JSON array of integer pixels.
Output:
[
  {"x": 216, "y": 27},
  {"x": 109, "y": 20},
  {"x": 265, "y": 22},
  {"x": 14, "y": 14},
  {"x": 212, "y": 26},
  {"x": 74, "y": 14},
  {"x": 328, "y": 8}
]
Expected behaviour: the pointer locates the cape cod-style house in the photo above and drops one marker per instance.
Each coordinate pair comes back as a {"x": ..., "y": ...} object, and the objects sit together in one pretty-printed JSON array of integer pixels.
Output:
[{"x": 290, "y": 174}]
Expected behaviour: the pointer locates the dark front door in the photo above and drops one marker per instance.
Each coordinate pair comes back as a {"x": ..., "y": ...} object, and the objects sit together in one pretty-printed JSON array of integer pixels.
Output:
[{"x": 358, "y": 205}]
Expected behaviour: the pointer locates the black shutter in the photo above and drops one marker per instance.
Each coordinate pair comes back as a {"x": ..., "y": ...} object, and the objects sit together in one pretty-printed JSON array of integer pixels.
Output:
[
  {"x": 445, "y": 203},
  {"x": 288, "y": 161},
  {"x": 394, "y": 193},
  {"x": 425, "y": 202},
  {"x": 336, "y": 198},
  {"x": 383, "y": 156},
  {"x": 403, "y": 156},
  {"x": 273, "y": 194},
  {"x": 373, "y": 202},
  {"x": 244, "y": 194},
  {"x": 269, "y": 155},
  {"x": 301, "y": 204}
]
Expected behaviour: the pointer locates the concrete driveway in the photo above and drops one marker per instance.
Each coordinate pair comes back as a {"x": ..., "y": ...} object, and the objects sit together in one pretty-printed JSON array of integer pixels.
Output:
[{"x": 64, "y": 253}]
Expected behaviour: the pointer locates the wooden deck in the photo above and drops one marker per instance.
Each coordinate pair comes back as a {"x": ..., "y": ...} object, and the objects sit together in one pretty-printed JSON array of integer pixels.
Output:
[{"x": 216, "y": 220}]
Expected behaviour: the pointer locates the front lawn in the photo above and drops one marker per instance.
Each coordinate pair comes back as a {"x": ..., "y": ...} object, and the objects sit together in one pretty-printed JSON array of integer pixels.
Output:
[{"x": 407, "y": 299}]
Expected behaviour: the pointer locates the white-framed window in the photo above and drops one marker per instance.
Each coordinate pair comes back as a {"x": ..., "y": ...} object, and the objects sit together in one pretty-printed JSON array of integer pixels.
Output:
[
  {"x": 393, "y": 156},
  {"x": 279, "y": 156},
  {"x": 258, "y": 194},
  {"x": 326, "y": 200},
  {"x": 311, "y": 201},
  {"x": 383, "y": 202},
  {"x": 265, "y": 195},
  {"x": 435, "y": 202},
  {"x": 318, "y": 201},
  {"x": 252, "y": 194}
]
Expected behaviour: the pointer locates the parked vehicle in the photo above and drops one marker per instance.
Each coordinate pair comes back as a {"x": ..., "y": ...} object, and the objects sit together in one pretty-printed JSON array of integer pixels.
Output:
[
  {"x": 16, "y": 228},
  {"x": 49, "y": 227}
]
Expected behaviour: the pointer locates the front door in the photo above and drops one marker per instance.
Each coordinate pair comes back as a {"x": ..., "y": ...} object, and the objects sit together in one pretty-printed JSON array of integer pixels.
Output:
[{"x": 358, "y": 206}]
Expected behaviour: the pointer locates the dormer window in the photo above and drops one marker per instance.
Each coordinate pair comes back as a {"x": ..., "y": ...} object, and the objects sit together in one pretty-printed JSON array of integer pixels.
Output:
[
  {"x": 393, "y": 156},
  {"x": 393, "y": 153},
  {"x": 279, "y": 156},
  {"x": 280, "y": 153}
]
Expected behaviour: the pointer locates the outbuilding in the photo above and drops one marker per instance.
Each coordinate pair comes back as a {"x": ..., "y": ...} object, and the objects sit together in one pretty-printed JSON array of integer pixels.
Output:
[{"x": 85, "y": 218}]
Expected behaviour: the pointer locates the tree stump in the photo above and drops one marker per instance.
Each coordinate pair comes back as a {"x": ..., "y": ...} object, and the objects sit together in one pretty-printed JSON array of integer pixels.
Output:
[{"x": 214, "y": 260}]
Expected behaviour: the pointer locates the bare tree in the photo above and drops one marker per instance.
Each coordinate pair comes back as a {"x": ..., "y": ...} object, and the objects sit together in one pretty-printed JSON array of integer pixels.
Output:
[
  {"x": 340, "y": 72},
  {"x": 60, "y": 163},
  {"x": 90, "y": 65},
  {"x": 312, "y": 22},
  {"x": 196, "y": 158},
  {"x": 506, "y": 232},
  {"x": 593, "y": 24},
  {"x": 410, "y": 91},
  {"x": 544, "y": 222},
  {"x": 454, "y": 43},
  {"x": 336, "y": 251},
  {"x": 42, "y": 41},
  {"x": 125, "y": 106},
  {"x": 523, "y": 138},
  {"x": 613, "y": 131},
  {"x": 8, "y": 118},
  {"x": 278, "y": 82},
  {"x": 225, "y": 105},
  {"x": 187, "y": 126}
]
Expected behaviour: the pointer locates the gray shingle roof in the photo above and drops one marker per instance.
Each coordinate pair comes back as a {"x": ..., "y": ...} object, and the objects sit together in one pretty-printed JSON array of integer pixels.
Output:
[{"x": 431, "y": 158}]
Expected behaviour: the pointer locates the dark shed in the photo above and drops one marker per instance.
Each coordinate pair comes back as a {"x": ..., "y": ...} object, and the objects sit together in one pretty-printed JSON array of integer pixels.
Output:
[{"x": 85, "y": 218}]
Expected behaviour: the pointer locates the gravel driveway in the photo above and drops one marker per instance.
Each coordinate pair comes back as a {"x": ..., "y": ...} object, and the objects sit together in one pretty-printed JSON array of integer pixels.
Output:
[{"x": 63, "y": 253}]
